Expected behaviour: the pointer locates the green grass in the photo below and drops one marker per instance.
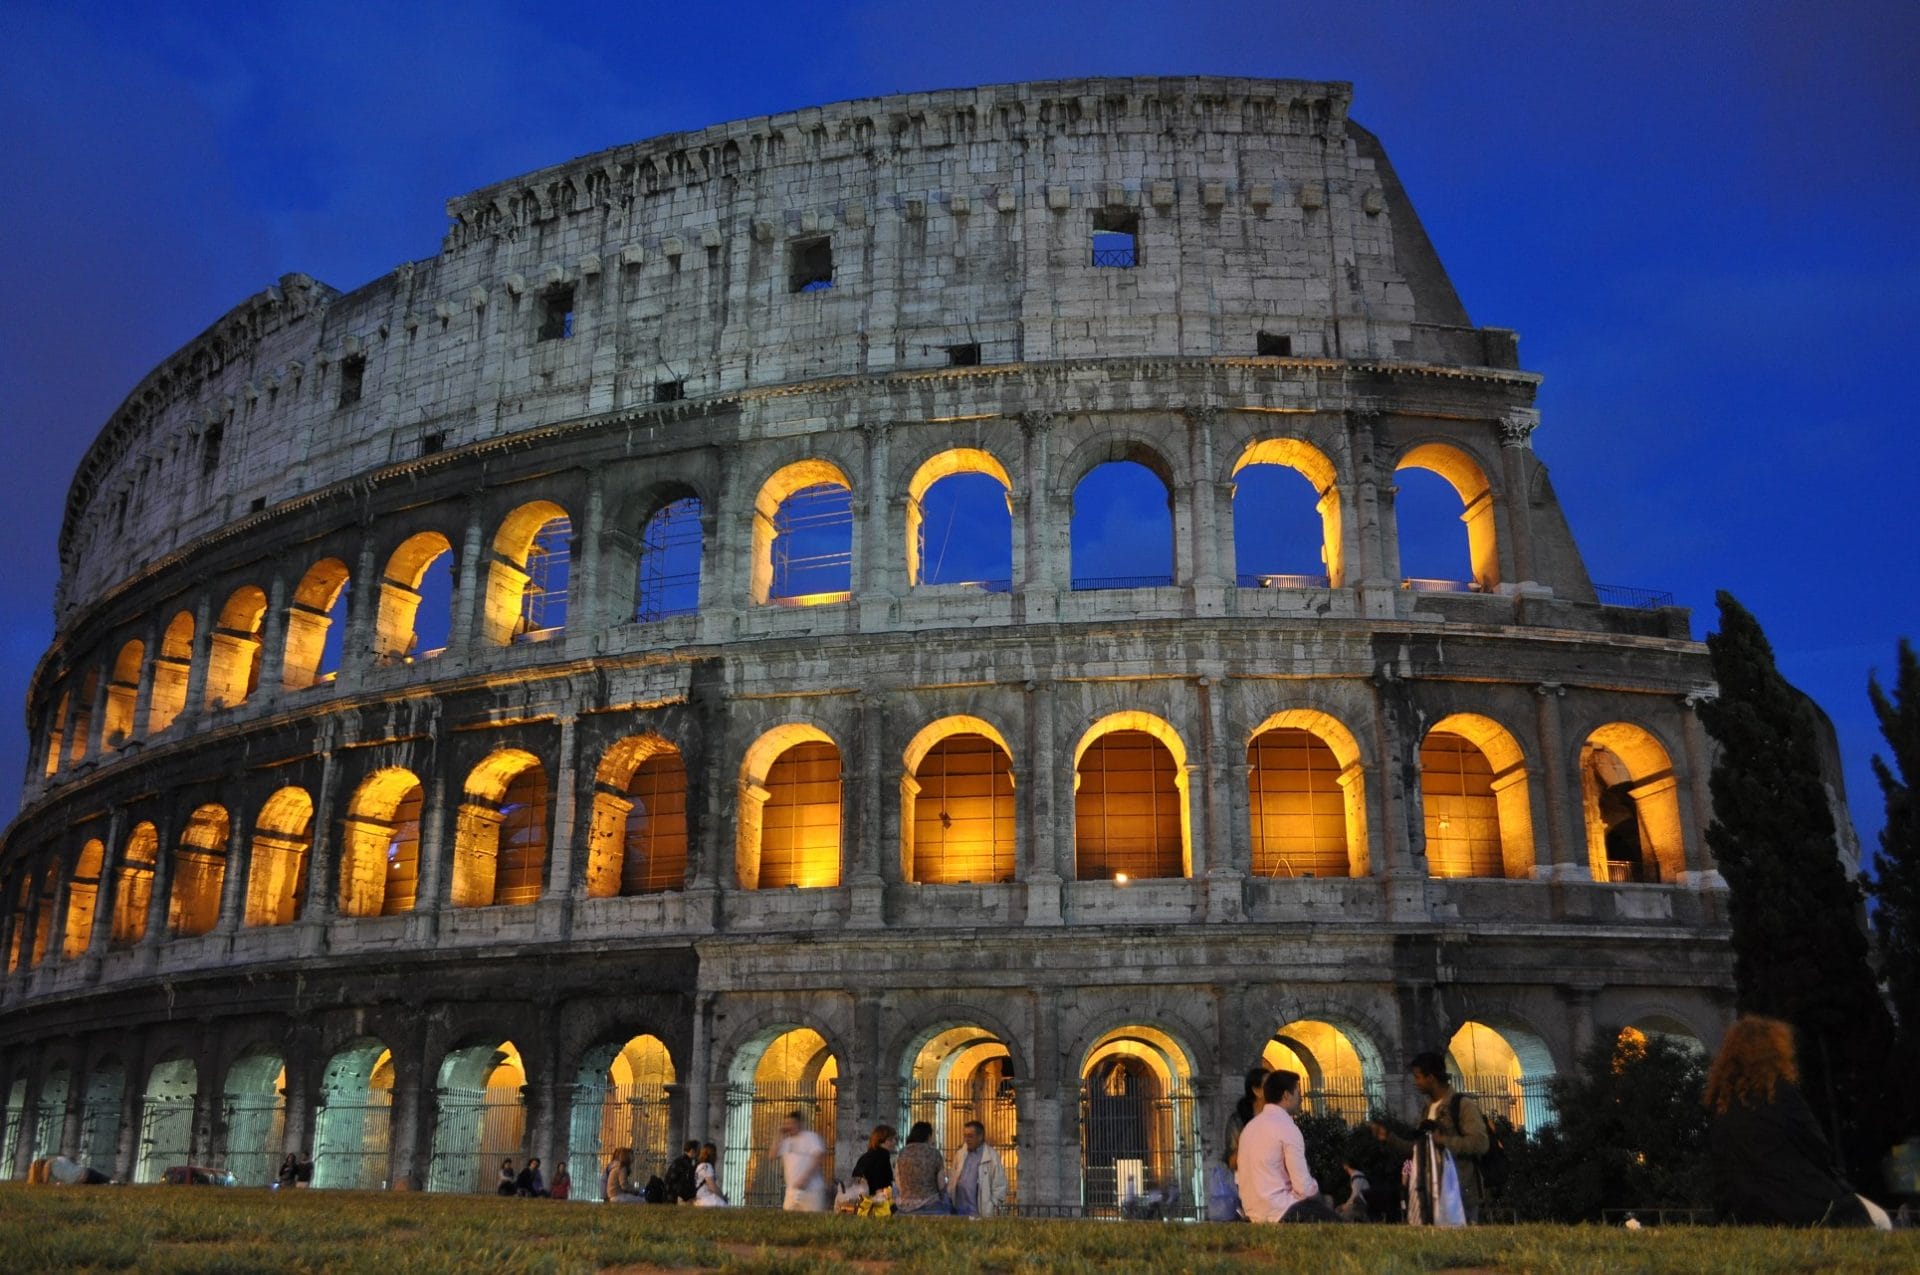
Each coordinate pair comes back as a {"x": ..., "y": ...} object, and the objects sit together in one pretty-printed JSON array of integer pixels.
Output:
[{"x": 181, "y": 1229}]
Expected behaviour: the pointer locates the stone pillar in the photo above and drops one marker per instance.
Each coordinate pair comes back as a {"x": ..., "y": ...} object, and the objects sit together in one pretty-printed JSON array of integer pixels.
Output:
[
  {"x": 565, "y": 861},
  {"x": 1227, "y": 855},
  {"x": 143, "y": 692},
  {"x": 363, "y": 612},
  {"x": 301, "y": 1095},
  {"x": 469, "y": 586},
  {"x": 439, "y": 808},
  {"x": 96, "y": 742},
  {"x": 1373, "y": 554},
  {"x": 239, "y": 860},
  {"x": 61, "y": 762},
  {"x": 1702, "y": 871},
  {"x": 1036, "y": 597},
  {"x": 702, "y": 1120},
  {"x": 868, "y": 892},
  {"x": 1516, "y": 441},
  {"x": 879, "y": 559},
  {"x": 1566, "y": 852},
  {"x": 209, "y": 1116},
  {"x": 587, "y": 610},
  {"x": 62, "y": 867},
  {"x": 1048, "y": 1111},
  {"x": 1205, "y": 575},
  {"x": 273, "y": 637},
  {"x": 408, "y": 1124},
  {"x": 166, "y": 826},
  {"x": 196, "y": 705},
  {"x": 323, "y": 850},
  {"x": 1041, "y": 817},
  {"x": 1401, "y": 837},
  {"x": 108, "y": 891}
]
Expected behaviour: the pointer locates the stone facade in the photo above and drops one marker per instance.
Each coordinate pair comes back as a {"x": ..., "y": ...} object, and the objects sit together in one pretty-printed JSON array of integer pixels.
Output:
[{"x": 190, "y": 880}]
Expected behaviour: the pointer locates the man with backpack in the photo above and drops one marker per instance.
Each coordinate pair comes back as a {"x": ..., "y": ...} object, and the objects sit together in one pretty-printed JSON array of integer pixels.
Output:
[
  {"x": 1456, "y": 1124},
  {"x": 681, "y": 1187}
]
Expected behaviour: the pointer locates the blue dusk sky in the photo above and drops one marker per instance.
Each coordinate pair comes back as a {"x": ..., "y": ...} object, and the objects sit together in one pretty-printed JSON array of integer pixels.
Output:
[{"x": 1700, "y": 217}]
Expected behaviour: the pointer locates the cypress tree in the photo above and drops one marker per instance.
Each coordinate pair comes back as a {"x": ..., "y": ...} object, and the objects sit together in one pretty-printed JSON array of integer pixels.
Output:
[
  {"x": 1896, "y": 890},
  {"x": 1799, "y": 938}
]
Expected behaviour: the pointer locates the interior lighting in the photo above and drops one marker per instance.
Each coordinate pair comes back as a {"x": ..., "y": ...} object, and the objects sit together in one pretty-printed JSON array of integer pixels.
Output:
[{"x": 1119, "y": 878}]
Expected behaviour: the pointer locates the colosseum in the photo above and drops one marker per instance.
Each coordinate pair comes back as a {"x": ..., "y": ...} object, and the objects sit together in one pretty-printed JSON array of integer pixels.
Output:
[{"x": 528, "y": 706}]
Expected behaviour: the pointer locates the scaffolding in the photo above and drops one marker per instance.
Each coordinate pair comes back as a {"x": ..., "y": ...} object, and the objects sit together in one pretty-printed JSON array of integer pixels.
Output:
[
  {"x": 813, "y": 544},
  {"x": 669, "y": 583},
  {"x": 544, "y": 604}
]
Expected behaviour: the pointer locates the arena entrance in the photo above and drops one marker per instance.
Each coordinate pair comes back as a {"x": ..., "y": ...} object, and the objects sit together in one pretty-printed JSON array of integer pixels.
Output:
[
  {"x": 622, "y": 1097},
  {"x": 480, "y": 1118},
  {"x": 100, "y": 1116},
  {"x": 1339, "y": 1069},
  {"x": 351, "y": 1128},
  {"x": 957, "y": 1075},
  {"x": 50, "y": 1110},
  {"x": 255, "y": 1105},
  {"x": 1138, "y": 1136},
  {"x": 782, "y": 1070},
  {"x": 166, "y": 1119},
  {"x": 1507, "y": 1070}
]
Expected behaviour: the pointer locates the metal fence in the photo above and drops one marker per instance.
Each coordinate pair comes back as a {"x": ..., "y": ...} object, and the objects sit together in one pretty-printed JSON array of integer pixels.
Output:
[
  {"x": 100, "y": 1133},
  {"x": 636, "y": 1116},
  {"x": 166, "y": 1136},
  {"x": 351, "y": 1142},
  {"x": 948, "y": 1108},
  {"x": 1280, "y": 581},
  {"x": 256, "y": 1124},
  {"x": 1136, "y": 1145},
  {"x": 475, "y": 1131},
  {"x": 1526, "y": 1104},
  {"x": 9, "y": 1140},
  {"x": 48, "y": 1118},
  {"x": 1088, "y": 584},
  {"x": 1621, "y": 595},
  {"x": 1344, "y": 1094},
  {"x": 751, "y": 1172}
]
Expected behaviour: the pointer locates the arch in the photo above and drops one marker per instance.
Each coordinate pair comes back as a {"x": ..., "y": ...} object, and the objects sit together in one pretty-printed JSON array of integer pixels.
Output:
[
  {"x": 1115, "y": 521},
  {"x": 500, "y": 837},
  {"x": 56, "y": 734},
  {"x": 780, "y": 1069},
  {"x": 1138, "y": 1126},
  {"x": 133, "y": 885},
  {"x": 956, "y": 462},
  {"x": 100, "y": 1109},
  {"x": 255, "y": 1109},
  {"x": 1469, "y": 481},
  {"x": 622, "y": 1097},
  {"x": 351, "y": 1127},
  {"x": 1311, "y": 464},
  {"x": 50, "y": 1109},
  {"x": 1339, "y": 1066},
  {"x": 667, "y": 572},
  {"x": 527, "y": 580},
  {"x": 166, "y": 1118},
  {"x": 316, "y": 622},
  {"x": 43, "y": 912},
  {"x": 170, "y": 668},
  {"x": 123, "y": 692},
  {"x": 637, "y": 836},
  {"x": 233, "y": 649},
  {"x": 959, "y": 1073},
  {"x": 1474, "y": 793},
  {"x": 965, "y": 829},
  {"x": 83, "y": 894},
  {"x": 396, "y": 626},
  {"x": 1306, "y": 797},
  {"x": 199, "y": 872},
  {"x": 1669, "y": 1026},
  {"x": 480, "y": 1117},
  {"x": 1631, "y": 801},
  {"x": 277, "y": 863},
  {"x": 1506, "y": 1068},
  {"x": 803, "y": 536},
  {"x": 1132, "y": 805},
  {"x": 789, "y": 810},
  {"x": 81, "y": 740},
  {"x": 380, "y": 850}
]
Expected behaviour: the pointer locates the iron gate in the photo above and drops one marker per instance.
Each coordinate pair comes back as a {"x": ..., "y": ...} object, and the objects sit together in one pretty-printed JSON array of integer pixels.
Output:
[
  {"x": 166, "y": 1136},
  {"x": 350, "y": 1143},
  {"x": 1136, "y": 1145},
  {"x": 636, "y": 1116},
  {"x": 948, "y": 1108},
  {"x": 475, "y": 1131},
  {"x": 256, "y": 1126},
  {"x": 751, "y": 1171}
]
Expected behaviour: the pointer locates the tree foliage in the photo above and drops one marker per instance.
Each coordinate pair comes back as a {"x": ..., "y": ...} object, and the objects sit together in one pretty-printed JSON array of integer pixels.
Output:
[
  {"x": 1800, "y": 946},
  {"x": 1896, "y": 889}
]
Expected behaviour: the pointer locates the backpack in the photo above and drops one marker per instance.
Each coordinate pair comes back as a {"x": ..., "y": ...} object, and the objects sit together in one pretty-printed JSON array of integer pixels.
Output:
[
  {"x": 680, "y": 1183},
  {"x": 657, "y": 1191},
  {"x": 1492, "y": 1161}
]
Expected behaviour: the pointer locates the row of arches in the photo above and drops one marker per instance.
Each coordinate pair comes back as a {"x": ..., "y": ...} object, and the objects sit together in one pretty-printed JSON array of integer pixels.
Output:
[
  {"x": 958, "y": 528},
  {"x": 958, "y": 824}
]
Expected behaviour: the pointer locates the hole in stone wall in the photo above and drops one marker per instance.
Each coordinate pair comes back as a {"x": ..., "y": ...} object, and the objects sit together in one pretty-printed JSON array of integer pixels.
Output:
[
  {"x": 556, "y": 313},
  {"x": 353, "y": 373},
  {"x": 964, "y": 355},
  {"x": 1272, "y": 345},
  {"x": 669, "y": 391},
  {"x": 1116, "y": 238},
  {"x": 810, "y": 264}
]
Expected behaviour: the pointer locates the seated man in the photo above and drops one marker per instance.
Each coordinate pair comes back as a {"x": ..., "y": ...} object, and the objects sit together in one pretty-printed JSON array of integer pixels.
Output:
[{"x": 1275, "y": 1184}]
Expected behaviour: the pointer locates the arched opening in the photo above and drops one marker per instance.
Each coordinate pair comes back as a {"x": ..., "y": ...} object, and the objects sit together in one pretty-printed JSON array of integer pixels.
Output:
[
  {"x": 380, "y": 850},
  {"x": 415, "y": 614},
  {"x": 166, "y": 1119},
  {"x": 1121, "y": 533},
  {"x": 170, "y": 669},
  {"x": 622, "y": 1097},
  {"x": 56, "y": 734},
  {"x": 256, "y": 1117},
  {"x": 50, "y": 1110},
  {"x": 83, "y": 895},
  {"x": 500, "y": 841},
  {"x": 1130, "y": 801},
  {"x": 789, "y": 810},
  {"x": 351, "y": 1126},
  {"x": 480, "y": 1119},
  {"x": 233, "y": 649},
  {"x": 527, "y": 581},
  {"x": 100, "y": 1105},
  {"x": 82, "y": 737},
  {"x": 123, "y": 690},
  {"x": 803, "y": 536},
  {"x": 1306, "y": 795},
  {"x": 44, "y": 912},
  {"x": 199, "y": 873},
  {"x": 277, "y": 874},
  {"x": 1424, "y": 508},
  {"x": 1473, "y": 789},
  {"x": 1668, "y": 1028},
  {"x": 667, "y": 578},
  {"x": 316, "y": 626},
  {"x": 1506, "y": 1070},
  {"x": 960, "y": 521},
  {"x": 637, "y": 840},
  {"x": 20, "y": 892},
  {"x": 960, "y": 1074},
  {"x": 1632, "y": 804},
  {"x": 1138, "y": 1133},
  {"x": 10, "y": 1136},
  {"x": 1286, "y": 517},
  {"x": 780, "y": 1071},
  {"x": 1339, "y": 1068},
  {"x": 133, "y": 885},
  {"x": 956, "y": 805}
]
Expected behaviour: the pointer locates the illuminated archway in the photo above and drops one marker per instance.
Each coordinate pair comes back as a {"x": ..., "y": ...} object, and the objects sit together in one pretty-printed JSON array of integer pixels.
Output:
[
  {"x": 956, "y": 804},
  {"x": 500, "y": 840},
  {"x": 1506, "y": 1068},
  {"x": 166, "y": 1118},
  {"x": 170, "y": 669},
  {"x": 133, "y": 885},
  {"x": 637, "y": 838},
  {"x": 1632, "y": 805},
  {"x": 83, "y": 894},
  {"x": 56, "y": 735},
  {"x": 123, "y": 691},
  {"x": 789, "y": 810},
  {"x": 233, "y": 649},
  {"x": 1138, "y": 1128},
  {"x": 480, "y": 1118},
  {"x": 351, "y": 1127},
  {"x": 1306, "y": 797},
  {"x": 82, "y": 741},
  {"x": 1311, "y": 464},
  {"x": 1131, "y": 809},
  {"x": 256, "y": 1117},
  {"x": 380, "y": 850},
  {"x": 781, "y": 1069},
  {"x": 50, "y": 1110},
  {"x": 959, "y": 1074},
  {"x": 1339, "y": 1067},
  {"x": 527, "y": 581},
  {"x": 803, "y": 536},
  {"x": 622, "y": 1097},
  {"x": 1469, "y": 481},
  {"x": 1473, "y": 789},
  {"x": 317, "y": 613},
  {"x": 199, "y": 872},
  {"x": 925, "y": 566},
  {"x": 277, "y": 872},
  {"x": 397, "y": 631}
]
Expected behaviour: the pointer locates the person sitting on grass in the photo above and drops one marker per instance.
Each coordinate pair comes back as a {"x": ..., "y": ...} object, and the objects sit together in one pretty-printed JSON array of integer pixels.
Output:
[
  {"x": 619, "y": 1186},
  {"x": 706, "y": 1181},
  {"x": 508, "y": 1182},
  {"x": 1275, "y": 1183},
  {"x": 920, "y": 1176},
  {"x": 531, "y": 1184},
  {"x": 562, "y": 1188}
]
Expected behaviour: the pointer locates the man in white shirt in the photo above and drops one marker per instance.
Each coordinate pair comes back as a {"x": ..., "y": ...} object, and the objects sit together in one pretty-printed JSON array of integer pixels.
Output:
[
  {"x": 803, "y": 1158},
  {"x": 1275, "y": 1184}
]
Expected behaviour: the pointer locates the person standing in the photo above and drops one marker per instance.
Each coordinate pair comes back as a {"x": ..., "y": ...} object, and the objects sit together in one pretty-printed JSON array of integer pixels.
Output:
[
  {"x": 1452, "y": 1123},
  {"x": 803, "y": 1160},
  {"x": 1275, "y": 1183},
  {"x": 975, "y": 1175}
]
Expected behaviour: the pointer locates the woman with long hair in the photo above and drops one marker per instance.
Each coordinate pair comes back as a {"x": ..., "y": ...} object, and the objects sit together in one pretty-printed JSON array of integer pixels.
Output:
[
  {"x": 875, "y": 1168},
  {"x": 706, "y": 1181},
  {"x": 1770, "y": 1164}
]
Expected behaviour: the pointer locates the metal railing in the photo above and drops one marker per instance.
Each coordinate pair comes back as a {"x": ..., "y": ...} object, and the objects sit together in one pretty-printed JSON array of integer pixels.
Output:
[
  {"x": 1420, "y": 585},
  {"x": 350, "y": 1142},
  {"x": 1089, "y": 584},
  {"x": 1281, "y": 581},
  {"x": 1620, "y": 595},
  {"x": 1116, "y": 258}
]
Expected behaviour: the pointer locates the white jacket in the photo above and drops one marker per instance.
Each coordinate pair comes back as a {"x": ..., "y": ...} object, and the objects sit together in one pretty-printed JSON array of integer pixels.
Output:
[{"x": 990, "y": 1192}]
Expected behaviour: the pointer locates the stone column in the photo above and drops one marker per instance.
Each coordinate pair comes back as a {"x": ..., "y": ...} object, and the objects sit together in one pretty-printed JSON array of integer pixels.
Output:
[
  {"x": 1373, "y": 557},
  {"x": 323, "y": 850},
  {"x": 143, "y": 693},
  {"x": 363, "y": 612},
  {"x": 1227, "y": 856},
  {"x": 1516, "y": 441},
  {"x": 469, "y": 586},
  {"x": 196, "y": 705},
  {"x": 1036, "y": 596},
  {"x": 565, "y": 862},
  {"x": 273, "y": 637},
  {"x": 1205, "y": 575},
  {"x": 1566, "y": 857},
  {"x": 96, "y": 742},
  {"x": 440, "y": 807},
  {"x": 1702, "y": 871},
  {"x": 1401, "y": 838},
  {"x": 108, "y": 891},
  {"x": 587, "y": 610},
  {"x": 868, "y": 892},
  {"x": 1048, "y": 1110},
  {"x": 239, "y": 860},
  {"x": 879, "y": 560},
  {"x": 166, "y": 826},
  {"x": 701, "y": 1116},
  {"x": 62, "y": 868},
  {"x": 406, "y": 1158},
  {"x": 1042, "y": 819},
  {"x": 68, "y": 718}
]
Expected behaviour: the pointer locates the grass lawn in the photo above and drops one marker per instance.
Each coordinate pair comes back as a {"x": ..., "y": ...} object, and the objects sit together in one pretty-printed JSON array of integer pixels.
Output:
[{"x": 181, "y": 1229}]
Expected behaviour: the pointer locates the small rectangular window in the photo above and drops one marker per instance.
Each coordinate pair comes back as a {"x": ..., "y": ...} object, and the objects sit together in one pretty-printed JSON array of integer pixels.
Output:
[
  {"x": 556, "y": 314},
  {"x": 1116, "y": 238},
  {"x": 810, "y": 264},
  {"x": 1271, "y": 345},
  {"x": 964, "y": 355},
  {"x": 669, "y": 391},
  {"x": 259, "y": 505},
  {"x": 210, "y": 450},
  {"x": 431, "y": 443},
  {"x": 353, "y": 372}
]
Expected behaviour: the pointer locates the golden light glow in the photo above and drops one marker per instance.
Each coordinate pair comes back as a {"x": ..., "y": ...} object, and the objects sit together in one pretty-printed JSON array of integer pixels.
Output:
[
  {"x": 637, "y": 838},
  {"x": 276, "y": 877},
  {"x": 199, "y": 872},
  {"x": 813, "y": 599},
  {"x": 773, "y": 493},
  {"x": 1623, "y": 764},
  {"x": 1469, "y": 481},
  {"x": 1474, "y": 791},
  {"x": 957, "y": 460},
  {"x": 379, "y": 865},
  {"x": 957, "y": 804},
  {"x": 789, "y": 810},
  {"x": 1132, "y": 806}
]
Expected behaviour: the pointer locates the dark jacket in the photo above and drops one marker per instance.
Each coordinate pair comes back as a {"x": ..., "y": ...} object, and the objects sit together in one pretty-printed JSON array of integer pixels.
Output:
[
  {"x": 1467, "y": 1140},
  {"x": 875, "y": 1168},
  {"x": 1771, "y": 1166}
]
